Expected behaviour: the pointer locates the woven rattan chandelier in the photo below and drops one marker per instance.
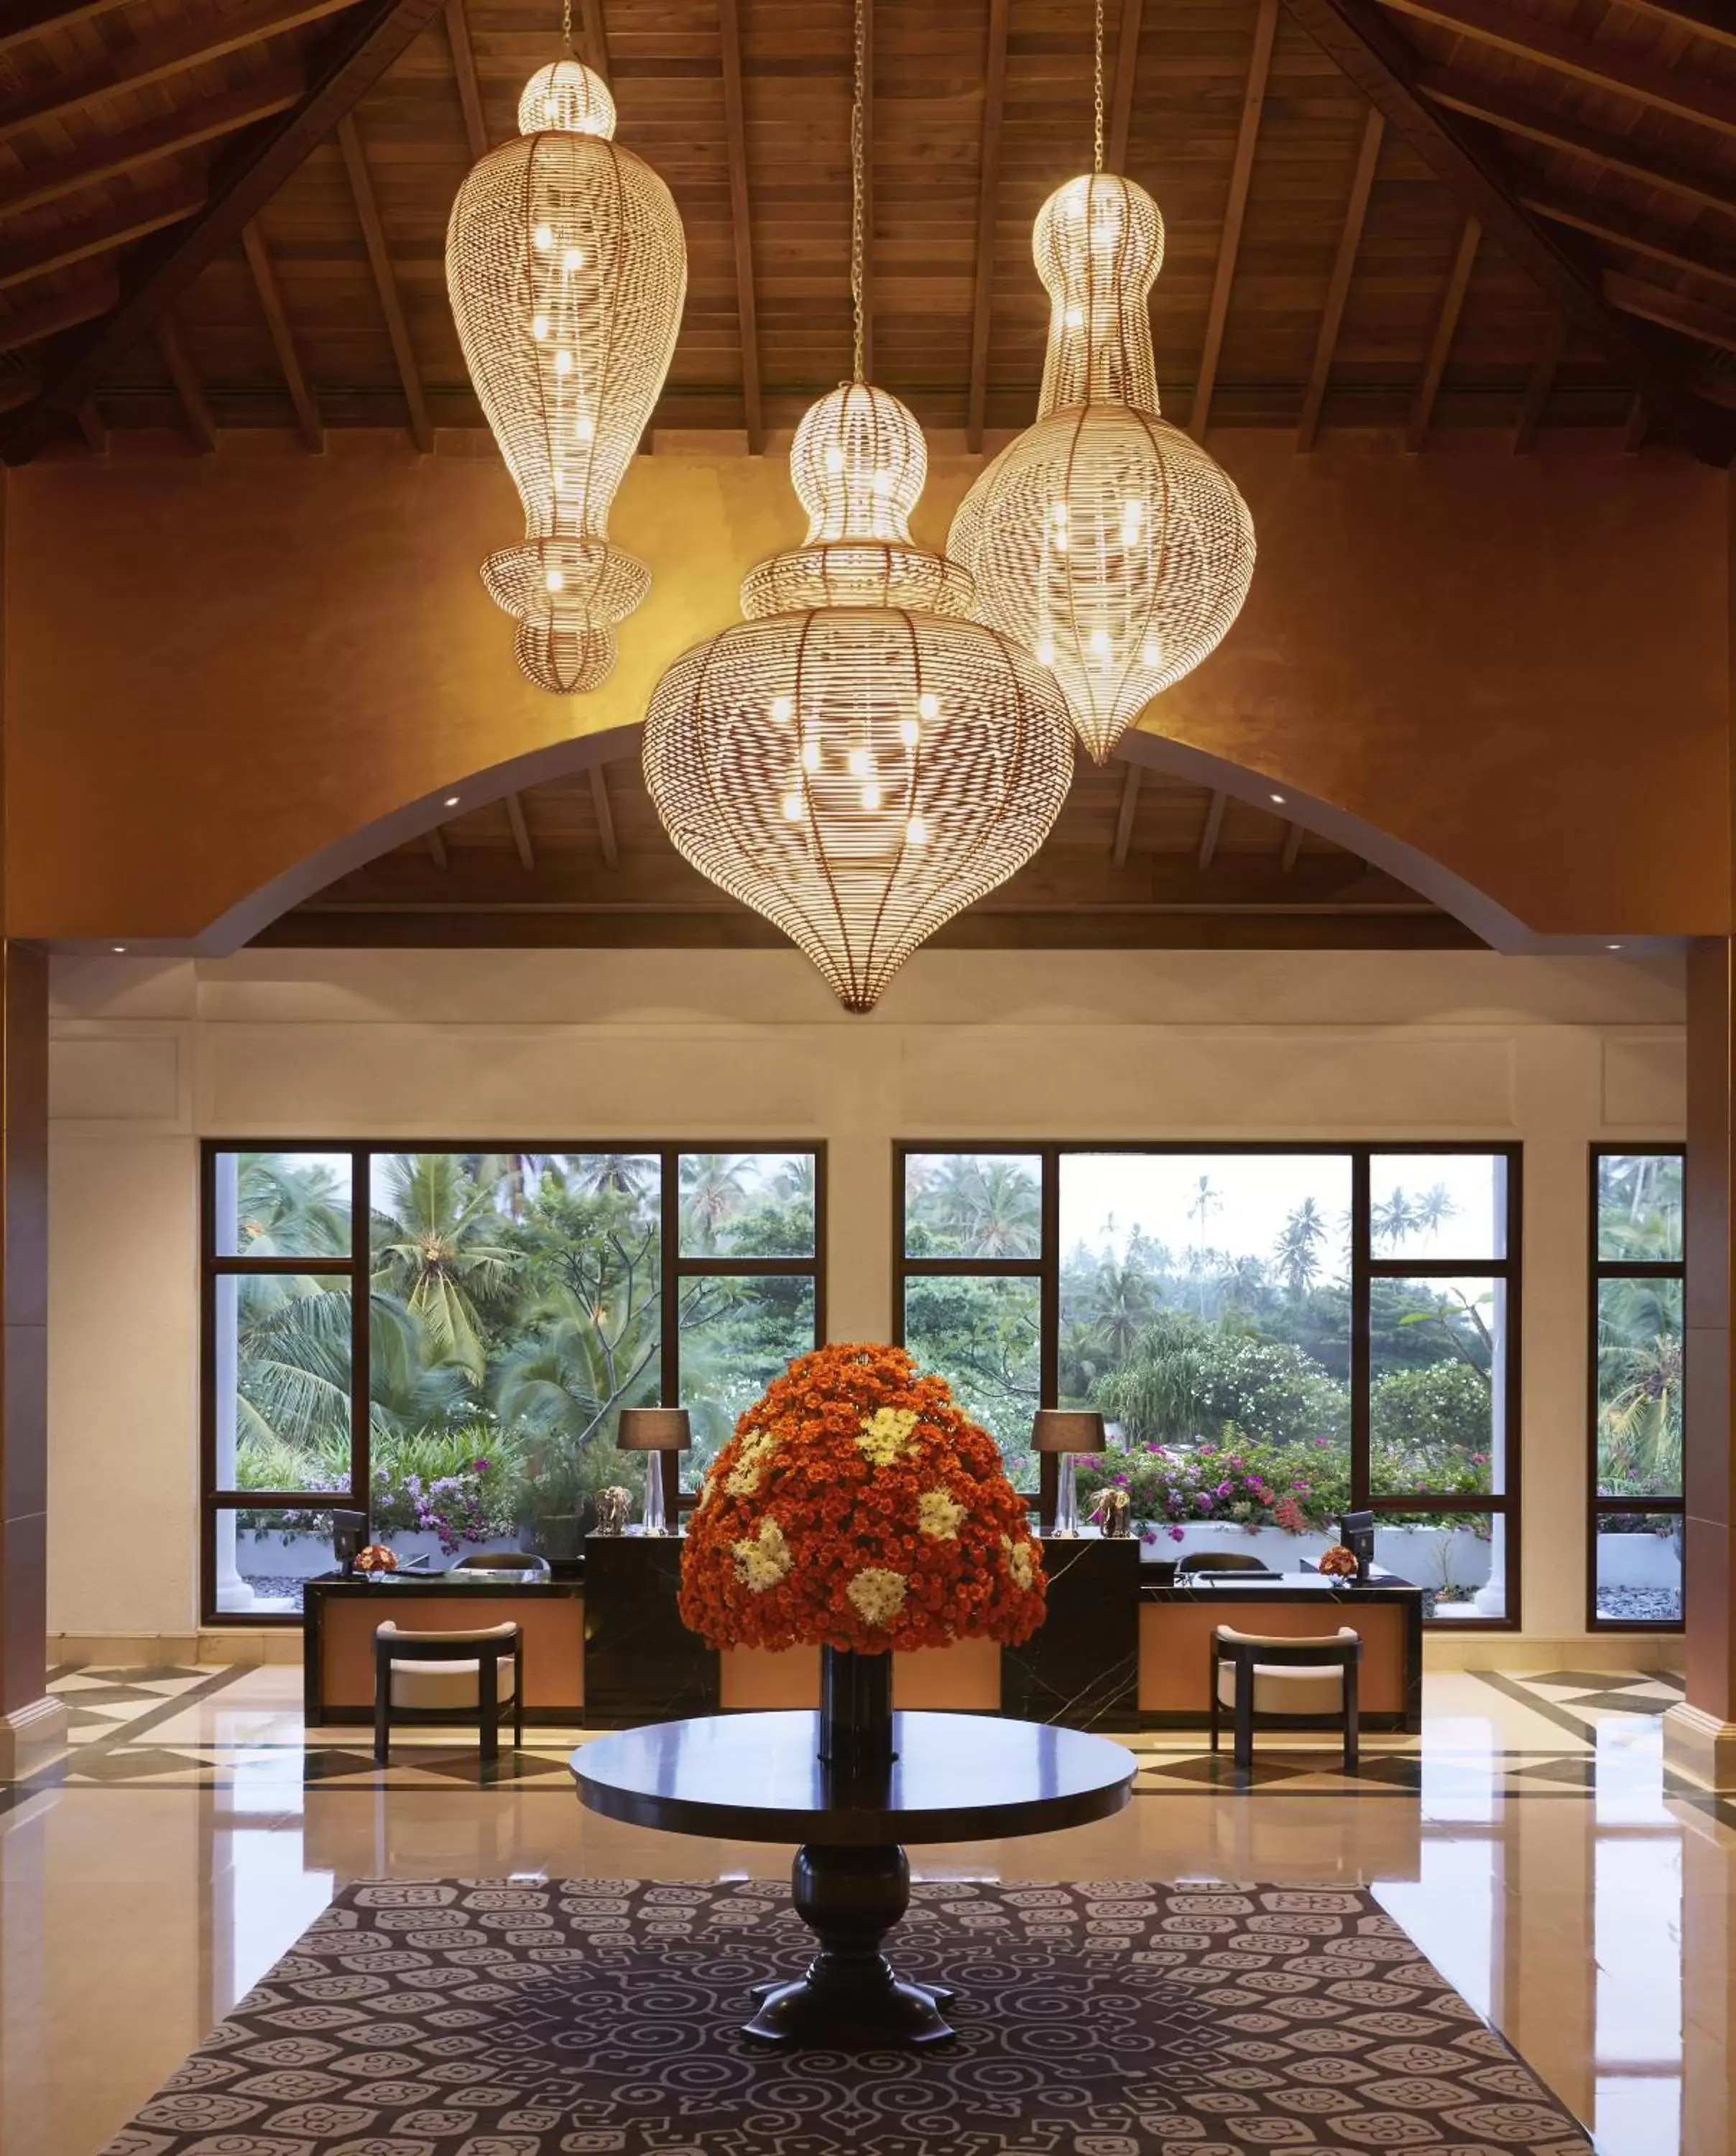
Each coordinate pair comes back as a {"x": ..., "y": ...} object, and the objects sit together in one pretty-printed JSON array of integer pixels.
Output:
[
  {"x": 566, "y": 267},
  {"x": 858, "y": 760},
  {"x": 1102, "y": 538}
]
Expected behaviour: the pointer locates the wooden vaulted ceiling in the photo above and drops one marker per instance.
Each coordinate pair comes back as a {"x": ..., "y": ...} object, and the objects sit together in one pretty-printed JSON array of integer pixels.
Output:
[
  {"x": 1425, "y": 213},
  {"x": 1138, "y": 860}
]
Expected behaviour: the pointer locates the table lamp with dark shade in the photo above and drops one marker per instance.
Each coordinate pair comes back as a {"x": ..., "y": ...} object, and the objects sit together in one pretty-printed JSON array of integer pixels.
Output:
[
  {"x": 655, "y": 1431},
  {"x": 1066, "y": 1431}
]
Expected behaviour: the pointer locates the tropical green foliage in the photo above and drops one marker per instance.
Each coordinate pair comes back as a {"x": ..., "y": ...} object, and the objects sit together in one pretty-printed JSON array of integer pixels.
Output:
[{"x": 1639, "y": 1327}]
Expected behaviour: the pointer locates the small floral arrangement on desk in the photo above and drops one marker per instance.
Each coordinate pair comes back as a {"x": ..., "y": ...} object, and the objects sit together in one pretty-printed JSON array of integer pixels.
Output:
[{"x": 857, "y": 1507}]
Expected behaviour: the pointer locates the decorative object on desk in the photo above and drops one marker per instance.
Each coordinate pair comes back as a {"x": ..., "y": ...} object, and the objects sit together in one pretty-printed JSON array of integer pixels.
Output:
[
  {"x": 349, "y": 1538},
  {"x": 1338, "y": 1562},
  {"x": 1067, "y": 1432},
  {"x": 1111, "y": 1513},
  {"x": 655, "y": 1431},
  {"x": 1356, "y": 1534},
  {"x": 376, "y": 1557},
  {"x": 614, "y": 1508}
]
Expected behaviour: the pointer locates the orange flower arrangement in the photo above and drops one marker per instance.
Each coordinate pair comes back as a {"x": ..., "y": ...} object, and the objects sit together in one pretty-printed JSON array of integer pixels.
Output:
[{"x": 857, "y": 1508}]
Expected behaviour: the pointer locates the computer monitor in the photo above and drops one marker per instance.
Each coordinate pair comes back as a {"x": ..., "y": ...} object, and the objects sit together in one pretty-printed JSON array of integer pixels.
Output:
[
  {"x": 1356, "y": 1532},
  {"x": 349, "y": 1538}
]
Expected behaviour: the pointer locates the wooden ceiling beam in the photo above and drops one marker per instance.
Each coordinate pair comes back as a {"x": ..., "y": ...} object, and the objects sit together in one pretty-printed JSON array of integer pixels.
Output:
[
  {"x": 1638, "y": 427},
  {"x": 464, "y": 69},
  {"x": 605, "y": 818},
  {"x": 1701, "y": 18},
  {"x": 93, "y": 427},
  {"x": 108, "y": 157},
  {"x": 521, "y": 833},
  {"x": 1291, "y": 848},
  {"x": 988, "y": 219},
  {"x": 1539, "y": 383},
  {"x": 436, "y": 851},
  {"x": 65, "y": 310},
  {"x": 27, "y": 19},
  {"x": 60, "y": 248},
  {"x": 1125, "y": 816},
  {"x": 194, "y": 410},
  {"x": 1208, "y": 835},
  {"x": 308, "y": 423},
  {"x": 1241, "y": 169},
  {"x": 386, "y": 283},
  {"x": 1670, "y": 311},
  {"x": 1358, "y": 36},
  {"x": 1447, "y": 323},
  {"x": 595, "y": 53},
  {"x": 1337, "y": 287},
  {"x": 1121, "y": 93},
  {"x": 128, "y": 68},
  {"x": 1613, "y": 70},
  {"x": 240, "y": 184},
  {"x": 741, "y": 231},
  {"x": 1681, "y": 249}
]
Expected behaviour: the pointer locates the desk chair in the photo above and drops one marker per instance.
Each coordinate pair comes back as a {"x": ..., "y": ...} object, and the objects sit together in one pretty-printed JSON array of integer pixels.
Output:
[
  {"x": 428, "y": 1677},
  {"x": 1220, "y": 1561},
  {"x": 522, "y": 1564},
  {"x": 1303, "y": 1684}
]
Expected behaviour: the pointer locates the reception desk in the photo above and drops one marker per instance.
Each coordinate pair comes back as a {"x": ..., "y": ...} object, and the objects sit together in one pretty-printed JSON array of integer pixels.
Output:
[{"x": 341, "y": 1613}]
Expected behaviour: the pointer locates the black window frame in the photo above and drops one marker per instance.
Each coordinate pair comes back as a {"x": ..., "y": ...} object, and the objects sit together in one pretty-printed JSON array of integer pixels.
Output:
[
  {"x": 1365, "y": 1267},
  {"x": 676, "y": 1268},
  {"x": 1599, "y": 1269}
]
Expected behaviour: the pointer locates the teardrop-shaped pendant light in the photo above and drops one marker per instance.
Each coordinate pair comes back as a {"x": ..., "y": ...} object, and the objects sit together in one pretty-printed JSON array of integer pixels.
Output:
[
  {"x": 567, "y": 269},
  {"x": 858, "y": 760},
  {"x": 1105, "y": 540}
]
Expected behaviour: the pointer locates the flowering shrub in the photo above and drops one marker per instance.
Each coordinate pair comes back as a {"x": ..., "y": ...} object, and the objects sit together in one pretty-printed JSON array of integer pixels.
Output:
[{"x": 856, "y": 1507}]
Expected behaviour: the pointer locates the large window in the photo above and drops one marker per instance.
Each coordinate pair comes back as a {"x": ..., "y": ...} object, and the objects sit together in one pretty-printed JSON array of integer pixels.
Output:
[
  {"x": 445, "y": 1338},
  {"x": 1273, "y": 1334},
  {"x": 1634, "y": 1571}
]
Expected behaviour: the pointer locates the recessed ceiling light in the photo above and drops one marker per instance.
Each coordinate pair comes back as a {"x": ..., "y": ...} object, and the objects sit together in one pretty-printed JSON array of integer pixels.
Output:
[
  {"x": 452, "y": 800},
  {"x": 1279, "y": 798},
  {"x": 119, "y": 950},
  {"x": 1615, "y": 946}
]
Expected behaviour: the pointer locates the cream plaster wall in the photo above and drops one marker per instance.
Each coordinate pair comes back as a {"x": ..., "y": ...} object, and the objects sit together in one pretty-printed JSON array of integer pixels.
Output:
[{"x": 149, "y": 1056}]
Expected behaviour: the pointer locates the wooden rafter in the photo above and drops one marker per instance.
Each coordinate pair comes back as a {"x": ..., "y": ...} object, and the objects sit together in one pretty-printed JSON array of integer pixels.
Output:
[
  {"x": 596, "y": 38},
  {"x": 1638, "y": 427},
  {"x": 868, "y": 191},
  {"x": 1208, "y": 836},
  {"x": 181, "y": 199},
  {"x": 1670, "y": 311},
  {"x": 1356, "y": 35},
  {"x": 464, "y": 69},
  {"x": 1339, "y": 286},
  {"x": 605, "y": 818},
  {"x": 437, "y": 849},
  {"x": 194, "y": 410},
  {"x": 239, "y": 185},
  {"x": 1121, "y": 95},
  {"x": 1125, "y": 816},
  {"x": 1447, "y": 323},
  {"x": 728, "y": 25},
  {"x": 93, "y": 427},
  {"x": 1253, "y": 101},
  {"x": 283, "y": 342},
  {"x": 1683, "y": 95},
  {"x": 386, "y": 283},
  {"x": 129, "y": 69},
  {"x": 988, "y": 210},
  {"x": 1291, "y": 848},
  {"x": 64, "y": 310},
  {"x": 521, "y": 833},
  {"x": 27, "y": 19},
  {"x": 1703, "y": 19},
  {"x": 1539, "y": 384},
  {"x": 1664, "y": 243}
]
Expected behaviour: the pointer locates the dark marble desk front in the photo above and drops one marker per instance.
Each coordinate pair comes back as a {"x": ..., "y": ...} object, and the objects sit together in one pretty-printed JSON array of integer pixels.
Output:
[
  {"x": 1082, "y": 1669},
  {"x": 642, "y": 1664}
]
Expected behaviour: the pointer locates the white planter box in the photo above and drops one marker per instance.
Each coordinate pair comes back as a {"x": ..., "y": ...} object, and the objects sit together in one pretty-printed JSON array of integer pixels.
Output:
[
  {"x": 1638, "y": 1560},
  {"x": 266, "y": 1554},
  {"x": 1429, "y": 1557}
]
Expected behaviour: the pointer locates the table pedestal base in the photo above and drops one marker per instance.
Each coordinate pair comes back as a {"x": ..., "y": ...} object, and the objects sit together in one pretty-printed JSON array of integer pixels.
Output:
[{"x": 850, "y": 1998}]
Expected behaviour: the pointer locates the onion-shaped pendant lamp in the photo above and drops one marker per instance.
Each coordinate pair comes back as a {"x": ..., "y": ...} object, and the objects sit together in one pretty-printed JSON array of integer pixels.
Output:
[
  {"x": 566, "y": 267},
  {"x": 1105, "y": 539},
  {"x": 858, "y": 760}
]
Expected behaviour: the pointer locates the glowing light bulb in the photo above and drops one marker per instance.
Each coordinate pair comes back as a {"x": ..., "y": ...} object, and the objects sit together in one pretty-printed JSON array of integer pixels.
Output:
[
  {"x": 1075, "y": 317},
  {"x": 1059, "y": 513},
  {"x": 792, "y": 806},
  {"x": 573, "y": 258},
  {"x": 539, "y": 326},
  {"x": 858, "y": 764},
  {"x": 870, "y": 796},
  {"x": 1059, "y": 541},
  {"x": 927, "y": 705},
  {"x": 563, "y": 362},
  {"x": 1045, "y": 651},
  {"x": 1133, "y": 515},
  {"x": 1151, "y": 653},
  {"x": 1097, "y": 643},
  {"x": 881, "y": 483},
  {"x": 916, "y": 831},
  {"x": 909, "y": 733},
  {"x": 543, "y": 239},
  {"x": 584, "y": 427},
  {"x": 555, "y": 581},
  {"x": 783, "y": 710},
  {"x": 834, "y": 459},
  {"x": 810, "y": 754}
]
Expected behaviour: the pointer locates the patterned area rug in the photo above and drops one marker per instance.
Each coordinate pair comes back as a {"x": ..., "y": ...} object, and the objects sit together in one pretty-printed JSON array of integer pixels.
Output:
[{"x": 602, "y": 2018}]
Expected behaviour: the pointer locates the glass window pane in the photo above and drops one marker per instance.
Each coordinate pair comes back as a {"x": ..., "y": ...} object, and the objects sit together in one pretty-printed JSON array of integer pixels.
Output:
[
  {"x": 1639, "y": 1388},
  {"x": 1459, "y": 1560},
  {"x": 281, "y": 1371},
  {"x": 1639, "y": 1568},
  {"x": 1206, "y": 1310},
  {"x": 1437, "y": 1395},
  {"x": 1639, "y": 1207},
  {"x": 973, "y": 1205},
  {"x": 747, "y": 1204},
  {"x": 283, "y": 1205},
  {"x": 982, "y": 1336},
  {"x": 1438, "y": 1205},
  {"x": 737, "y": 1336},
  {"x": 263, "y": 1558}
]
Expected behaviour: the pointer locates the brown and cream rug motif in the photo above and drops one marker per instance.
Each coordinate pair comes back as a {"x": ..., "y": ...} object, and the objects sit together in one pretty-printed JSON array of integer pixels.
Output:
[{"x": 602, "y": 2018}]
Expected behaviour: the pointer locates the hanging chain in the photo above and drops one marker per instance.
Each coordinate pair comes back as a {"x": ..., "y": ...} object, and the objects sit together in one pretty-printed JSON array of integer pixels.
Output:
[
  {"x": 1097, "y": 92},
  {"x": 857, "y": 99},
  {"x": 566, "y": 28}
]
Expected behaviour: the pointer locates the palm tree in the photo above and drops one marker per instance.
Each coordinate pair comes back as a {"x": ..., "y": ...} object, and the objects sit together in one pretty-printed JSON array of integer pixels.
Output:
[
  {"x": 1298, "y": 1252},
  {"x": 1118, "y": 1307},
  {"x": 292, "y": 1366},
  {"x": 1008, "y": 1215},
  {"x": 794, "y": 1183},
  {"x": 1436, "y": 1206},
  {"x": 606, "y": 1174},
  {"x": 1639, "y": 1386},
  {"x": 712, "y": 1188},
  {"x": 1391, "y": 1219},
  {"x": 435, "y": 1252},
  {"x": 289, "y": 1207},
  {"x": 1243, "y": 1282}
]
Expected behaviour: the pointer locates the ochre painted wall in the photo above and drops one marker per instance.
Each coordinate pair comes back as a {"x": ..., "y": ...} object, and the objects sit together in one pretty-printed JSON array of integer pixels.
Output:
[{"x": 218, "y": 666}]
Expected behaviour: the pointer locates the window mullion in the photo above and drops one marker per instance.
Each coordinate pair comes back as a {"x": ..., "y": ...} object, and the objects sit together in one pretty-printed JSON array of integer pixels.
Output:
[{"x": 1361, "y": 1325}]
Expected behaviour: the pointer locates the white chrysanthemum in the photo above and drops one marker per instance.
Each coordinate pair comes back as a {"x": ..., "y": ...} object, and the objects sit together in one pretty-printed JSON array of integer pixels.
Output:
[
  {"x": 886, "y": 1433},
  {"x": 877, "y": 1594},
  {"x": 744, "y": 1477},
  {"x": 1018, "y": 1561},
  {"x": 764, "y": 1558},
  {"x": 939, "y": 1515}
]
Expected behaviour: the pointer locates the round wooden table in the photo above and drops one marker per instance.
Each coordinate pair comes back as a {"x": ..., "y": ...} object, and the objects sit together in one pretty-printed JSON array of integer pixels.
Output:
[{"x": 758, "y": 1778}]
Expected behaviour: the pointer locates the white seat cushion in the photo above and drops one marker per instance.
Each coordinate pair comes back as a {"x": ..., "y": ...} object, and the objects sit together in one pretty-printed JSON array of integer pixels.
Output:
[
  {"x": 1279, "y": 1691},
  {"x": 452, "y": 1685}
]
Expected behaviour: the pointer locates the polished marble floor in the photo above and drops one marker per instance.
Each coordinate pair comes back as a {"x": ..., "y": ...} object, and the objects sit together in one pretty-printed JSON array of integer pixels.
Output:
[{"x": 1529, "y": 1841}]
